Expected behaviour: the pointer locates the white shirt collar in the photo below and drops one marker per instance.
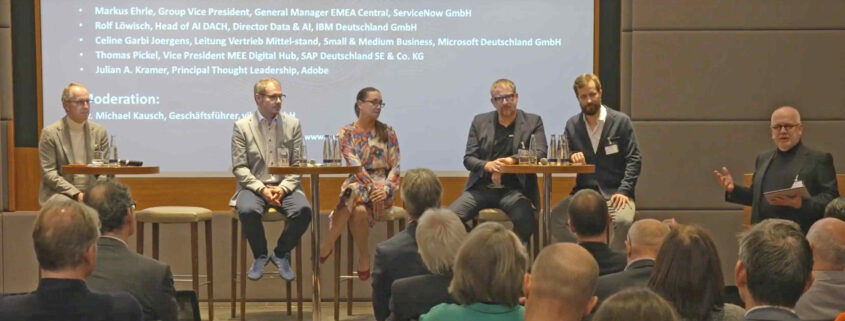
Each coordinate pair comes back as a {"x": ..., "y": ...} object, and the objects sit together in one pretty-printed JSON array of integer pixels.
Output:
[{"x": 769, "y": 306}]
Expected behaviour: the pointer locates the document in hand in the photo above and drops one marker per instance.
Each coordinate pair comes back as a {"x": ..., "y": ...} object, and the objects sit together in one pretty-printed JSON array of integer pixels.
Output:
[{"x": 791, "y": 192}]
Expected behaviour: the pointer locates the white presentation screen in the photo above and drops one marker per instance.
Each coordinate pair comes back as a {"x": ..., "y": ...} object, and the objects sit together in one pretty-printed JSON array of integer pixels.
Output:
[{"x": 169, "y": 78}]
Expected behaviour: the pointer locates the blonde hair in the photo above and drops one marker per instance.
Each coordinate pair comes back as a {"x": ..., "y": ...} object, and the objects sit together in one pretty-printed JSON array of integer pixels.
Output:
[
  {"x": 583, "y": 80},
  {"x": 503, "y": 82},
  {"x": 261, "y": 85},
  {"x": 439, "y": 236},
  {"x": 420, "y": 190},
  {"x": 67, "y": 89},
  {"x": 490, "y": 267}
]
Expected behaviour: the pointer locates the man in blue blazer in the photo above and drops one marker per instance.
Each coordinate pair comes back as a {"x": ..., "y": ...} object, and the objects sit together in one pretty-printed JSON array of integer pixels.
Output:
[
  {"x": 494, "y": 139},
  {"x": 605, "y": 138}
]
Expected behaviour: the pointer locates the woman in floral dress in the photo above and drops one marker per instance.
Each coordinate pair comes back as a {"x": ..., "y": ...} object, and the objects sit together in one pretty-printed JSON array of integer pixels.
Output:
[{"x": 372, "y": 145}]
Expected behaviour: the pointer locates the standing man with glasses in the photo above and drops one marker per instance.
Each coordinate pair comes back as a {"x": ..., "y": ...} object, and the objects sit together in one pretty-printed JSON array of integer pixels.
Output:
[
  {"x": 788, "y": 165},
  {"x": 494, "y": 138},
  {"x": 70, "y": 140},
  {"x": 263, "y": 139}
]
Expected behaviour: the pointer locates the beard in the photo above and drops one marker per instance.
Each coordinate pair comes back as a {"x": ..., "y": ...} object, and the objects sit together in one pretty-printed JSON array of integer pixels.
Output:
[{"x": 591, "y": 109}]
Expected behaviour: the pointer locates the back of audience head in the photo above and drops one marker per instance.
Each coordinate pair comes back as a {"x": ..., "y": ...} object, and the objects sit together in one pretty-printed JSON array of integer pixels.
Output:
[
  {"x": 65, "y": 236},
  {"x": 688, "y": 273},
  {"x": 775, "y": 264},
  {"x": 561, "y": 284},
  {"x": 420, "y": 190},
  {"x": 635, "y": 304},
  {"x": 588, "y": 214},
  {"x": 645, "y": 238},
  {"x": 490, "y": 267},
  {"x": 827, "y": 241},
  {"x": 836, "y": 208},
  {"x": 439, "y": 236},
  {"x": 113, "y": 202}
]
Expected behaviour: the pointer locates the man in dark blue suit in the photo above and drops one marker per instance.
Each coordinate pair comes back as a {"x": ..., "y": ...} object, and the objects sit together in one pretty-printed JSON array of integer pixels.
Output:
[
  {"x": 493, "y": 141},
  {"x": 605, "y": 138},
  {"x": 774, "y": 269},
  {"x": 65, "y": 237}
]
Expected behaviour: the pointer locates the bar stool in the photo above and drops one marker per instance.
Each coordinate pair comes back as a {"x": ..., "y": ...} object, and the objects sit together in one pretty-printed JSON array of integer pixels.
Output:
[
  {"x": 391, "y": 215},
  {"x": 498, "y": 215},
  {"x": 271, "y": 215},
  {"x": 181, "y": 215}
]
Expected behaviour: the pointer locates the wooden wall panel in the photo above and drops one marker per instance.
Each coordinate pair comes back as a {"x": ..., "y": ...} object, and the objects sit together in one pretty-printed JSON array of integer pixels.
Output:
[{"x": 27, "y": 179}]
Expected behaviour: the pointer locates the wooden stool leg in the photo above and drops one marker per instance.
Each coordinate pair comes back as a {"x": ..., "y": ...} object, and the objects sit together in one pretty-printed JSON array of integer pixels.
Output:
[
  {"x": 243, "y": 276},
  {"x": 337, "y": 280},
  {"x": 288, "y": 296},
  {"x": 155, "y": 241},
  {"x": 139, "y": 239},
  {"x": 389, "y": 229},
  {"x": 350, "y": 247},
  {"x": 209, "y": 266},
  {"x": 234, "y": 264},
  {"x": 195, "y": 264},
  {"x": 298, "y": 252}
]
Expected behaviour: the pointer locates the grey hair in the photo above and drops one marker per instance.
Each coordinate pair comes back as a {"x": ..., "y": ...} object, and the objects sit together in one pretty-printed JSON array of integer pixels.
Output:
[
  {"x": 836, "y": 208},
  {"x": 112, "y": 201},
  {"x": 490, "y": 267},
  {"x": 827, "y": 241},
  {"x": 67, "y": 89},
  {"x": 439, "y": 236},
  {"x": 63, "y": 232},
  {"x": 778, "y": 261},
  {"x": 420, "y": 190}
]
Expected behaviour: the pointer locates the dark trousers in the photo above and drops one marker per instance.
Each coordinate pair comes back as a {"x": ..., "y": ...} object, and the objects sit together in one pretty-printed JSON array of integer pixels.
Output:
[
  {"x": 512, "y": 201},
  {"x": 295, "y": 207}
]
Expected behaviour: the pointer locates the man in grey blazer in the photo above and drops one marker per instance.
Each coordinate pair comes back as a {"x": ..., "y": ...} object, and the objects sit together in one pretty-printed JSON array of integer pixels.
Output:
[
  {"x": 605, "y": 138},
  {"x": 118, "y": 268},
  {"x": 826, "y": 297},
  {"x": 262, "y": 139},
  {"x": 644, "y": 240},
  {"x": 70, "y": 140},
  {"x": 493, "y": 141}
]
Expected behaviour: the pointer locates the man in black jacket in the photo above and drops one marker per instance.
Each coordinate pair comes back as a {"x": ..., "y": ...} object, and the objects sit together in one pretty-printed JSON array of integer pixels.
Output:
[
  {"x": 590, "y": 221},
  {"x": 644, "y": 240}
]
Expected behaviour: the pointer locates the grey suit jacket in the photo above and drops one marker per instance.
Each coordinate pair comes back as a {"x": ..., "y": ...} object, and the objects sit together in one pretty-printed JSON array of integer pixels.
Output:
[
  {"x": 816, "y": 172},
  {"x": 770, "y": 314},
  {"x": 149, "y": 281},
  {"x": 412, "y": 296},
  {"x": 55, "y": 151},
  {"x": 249, "y": 153},
  {"x": 480, "y": 148},
  {"x": 825, "y": 299},
  {"x": 615, "y": 173},
  {"x": 636, "y": 274}
]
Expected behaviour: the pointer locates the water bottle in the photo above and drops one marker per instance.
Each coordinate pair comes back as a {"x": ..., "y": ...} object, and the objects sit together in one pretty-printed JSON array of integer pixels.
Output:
[
  {"x": 564, "y": 150},
  {"x": 327, "y": 150},
  {"x": 338, "y": 150},
  {"x": 532, "y": 150},
  {"x": 553, "y": 150}
]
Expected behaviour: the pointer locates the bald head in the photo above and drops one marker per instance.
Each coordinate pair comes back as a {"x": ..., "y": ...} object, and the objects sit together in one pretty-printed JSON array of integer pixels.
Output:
[
  {"x": 565, "y": 273},
  {"x": 786, "y": 127},
  {"x": 645, "y": 238},
  {"x": 827, "y": 239}
]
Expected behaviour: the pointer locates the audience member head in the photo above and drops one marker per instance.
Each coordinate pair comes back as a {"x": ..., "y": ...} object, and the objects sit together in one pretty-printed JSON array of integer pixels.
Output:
[
  {"x": 645, "y": 238},
  {"x": 490, "y": 266},
  {"x": 65, "y": 235},
  {"x": 113, "y": 202},
  {"x": 827, "y": 240},
  {"x": 588, "y": 216},
  {"x": 836, "y": 208},
  {"x": 439, "y": 236},
  {"x": 268, "y": 96},
  {"x": 786, "y": 127},
  {"x": 635, "y": 304},
  {"x": 775, "y": 264},
  {"x": 76, "y": 102},
  {"x": 420, "y": 190},
  {"x": 688, "y": 273},
  {"x": 561, "y": 284}
]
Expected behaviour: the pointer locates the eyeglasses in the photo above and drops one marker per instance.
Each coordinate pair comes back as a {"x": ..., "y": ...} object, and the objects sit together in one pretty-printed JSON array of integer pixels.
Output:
[
  {"x": 80, "y": 102},
  {"x": 274, "y": 97},
  {"x": 787, "y": 127},
  {"x": 501, "y": 99},
  {"x": 376, "y": 103}
]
